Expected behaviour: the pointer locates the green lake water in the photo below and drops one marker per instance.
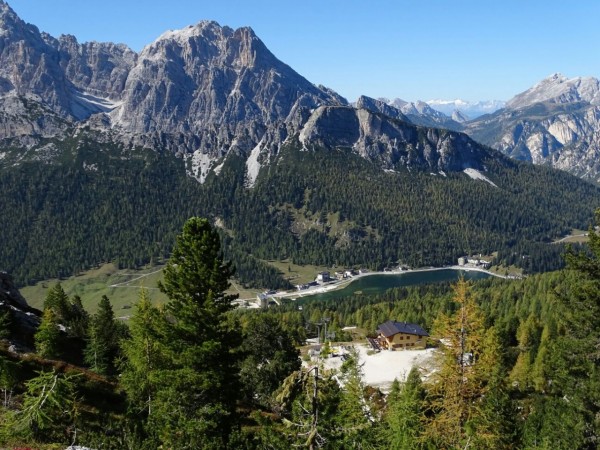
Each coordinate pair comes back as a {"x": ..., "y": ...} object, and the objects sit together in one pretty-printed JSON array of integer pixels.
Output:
[{"x": 377, "y": 284}]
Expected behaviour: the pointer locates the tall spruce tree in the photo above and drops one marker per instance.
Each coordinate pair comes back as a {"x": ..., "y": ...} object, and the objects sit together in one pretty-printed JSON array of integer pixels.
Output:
[
  {"x": 103, "y": 339},
  {"x": 404, "y": 416},
  {"x": 575, "y": 375},
  {"x": 58, "y": 300},
  {"x": 197, "y": 390},
  {"x": 143, "y": 357}
]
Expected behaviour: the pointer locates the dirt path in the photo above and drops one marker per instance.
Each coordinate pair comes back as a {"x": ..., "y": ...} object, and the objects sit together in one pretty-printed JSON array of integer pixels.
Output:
[{"x": 126, "y": 283}]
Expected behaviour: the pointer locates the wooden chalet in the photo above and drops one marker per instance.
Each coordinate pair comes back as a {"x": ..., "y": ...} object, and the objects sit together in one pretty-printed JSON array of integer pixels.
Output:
[{"x": 394, "y": 335}]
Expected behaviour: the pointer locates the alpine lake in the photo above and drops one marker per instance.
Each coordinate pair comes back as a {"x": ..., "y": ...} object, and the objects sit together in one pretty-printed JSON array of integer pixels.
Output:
[{"x": 379, "y": 283}]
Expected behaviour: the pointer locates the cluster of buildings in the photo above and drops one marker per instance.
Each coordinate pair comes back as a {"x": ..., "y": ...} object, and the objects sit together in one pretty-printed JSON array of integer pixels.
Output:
[
  {"x": 325, "y": 277},
  {"x": 473, "y": 261}
]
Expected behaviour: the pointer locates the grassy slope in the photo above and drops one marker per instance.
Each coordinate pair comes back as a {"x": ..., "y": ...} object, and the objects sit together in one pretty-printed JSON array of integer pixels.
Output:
[{"x": 95, "y": 283}]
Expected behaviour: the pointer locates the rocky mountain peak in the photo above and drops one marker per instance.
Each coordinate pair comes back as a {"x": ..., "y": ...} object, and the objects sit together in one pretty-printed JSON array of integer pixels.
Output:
[
  {"x": 381, "y": 107},
  {"x": 459, "y": 117},
  {"x": 392, "y": 144},
  {"x": 559, "y": 89},
  {"x": 28, "y": 65},
  {"x": 209, "y": 43},
  {"x": 208, "y": 89},
  {"x": 7, "y": 15}
]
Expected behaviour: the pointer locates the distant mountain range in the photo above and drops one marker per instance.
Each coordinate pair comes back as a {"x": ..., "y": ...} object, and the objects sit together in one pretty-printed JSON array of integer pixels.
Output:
[
  {"x": 466, "y": 110},
  {"x": 556, "y": 123},
  {"x": 96, "y": 141}
]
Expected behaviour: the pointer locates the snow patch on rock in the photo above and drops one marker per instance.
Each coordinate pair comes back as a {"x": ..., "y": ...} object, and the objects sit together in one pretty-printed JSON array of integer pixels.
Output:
[
  {"x": 477, "y": 175},
  {"x": 217, "y": 169},
  {"x": 90, "y": 167},
  {"x": 85, "y": 104},
  {"x": 200, "y": 166},
  {"x": 253, "y": 166}
]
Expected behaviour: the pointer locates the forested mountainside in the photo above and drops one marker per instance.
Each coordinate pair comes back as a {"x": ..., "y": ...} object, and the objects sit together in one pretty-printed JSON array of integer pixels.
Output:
[
  {"x": 88, "y": 202},
  {"x": 105, "y": 152}
]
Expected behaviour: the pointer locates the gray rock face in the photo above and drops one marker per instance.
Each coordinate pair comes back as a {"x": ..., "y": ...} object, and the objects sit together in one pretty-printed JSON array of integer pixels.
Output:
[
  {"x": 211, "y": 89},
  {"x": 556, "y": 122},
  {"x": 381, "y": 107},
  {"x": 391, "y": 143},
  {"x": 96, "y": 68},
  {"x": 28, "y": 65},
  {"x": 25, "y": 119},
  {"x": 559, "y": 89},
  {"x": 71, "y": 80}
]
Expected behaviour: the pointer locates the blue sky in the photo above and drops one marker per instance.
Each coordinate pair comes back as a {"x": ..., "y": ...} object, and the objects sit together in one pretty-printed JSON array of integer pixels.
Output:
[{"x": 412, "y": 49}]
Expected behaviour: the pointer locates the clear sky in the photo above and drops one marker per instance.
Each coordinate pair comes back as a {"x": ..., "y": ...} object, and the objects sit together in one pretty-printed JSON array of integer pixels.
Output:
[{"x": 411, "y": 49}]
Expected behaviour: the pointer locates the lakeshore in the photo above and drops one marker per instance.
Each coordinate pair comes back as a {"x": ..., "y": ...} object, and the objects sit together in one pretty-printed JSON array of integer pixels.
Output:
[{"x": 336, "y": 285}]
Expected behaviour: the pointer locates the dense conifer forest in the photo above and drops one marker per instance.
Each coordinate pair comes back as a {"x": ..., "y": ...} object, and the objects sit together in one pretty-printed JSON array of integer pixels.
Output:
[
  {"x": 94, "y": 203},
  {"x": 518, "y": 366}
]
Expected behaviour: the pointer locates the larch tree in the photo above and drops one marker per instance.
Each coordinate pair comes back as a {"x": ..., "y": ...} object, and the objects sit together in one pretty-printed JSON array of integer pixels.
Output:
[
  {"x": 355, "y": 415},
  {"x": 457, "y": 390}
]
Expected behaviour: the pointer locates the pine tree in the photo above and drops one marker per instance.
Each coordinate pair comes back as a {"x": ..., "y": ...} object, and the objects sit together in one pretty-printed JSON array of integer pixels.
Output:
[
  {"x": 404, "y": 416},
  {"x": 143, "y": 356},
  {"x": 355, "y": 415},
  {"x": 195, "y": 402},
  {"x": 103, "y": 339},
  {"x": 58, "y": 300},
  {"x": 48, "y": 337},
  {"x": 79, "y": 322},
  {"x": 575, "y": 367},
  {"x": 270, "y": 356}
]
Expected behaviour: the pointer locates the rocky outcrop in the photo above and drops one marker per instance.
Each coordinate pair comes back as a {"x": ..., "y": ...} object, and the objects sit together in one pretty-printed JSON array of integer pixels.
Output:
[
  {"x": 25, "y": 119},
  {"x": 558, "y": 89},
  {"x": 379, "y": 106},
  {"x": 393, "y": 144},
  {"x": 28, "y": 65},
  {"x": 212, "y": 89},
  {"x": 24, "y": 319},
  {"x": 556, "y": 122}
]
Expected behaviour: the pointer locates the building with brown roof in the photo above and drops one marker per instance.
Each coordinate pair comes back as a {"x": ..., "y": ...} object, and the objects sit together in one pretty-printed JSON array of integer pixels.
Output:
[{"x": 394, "y": 335}]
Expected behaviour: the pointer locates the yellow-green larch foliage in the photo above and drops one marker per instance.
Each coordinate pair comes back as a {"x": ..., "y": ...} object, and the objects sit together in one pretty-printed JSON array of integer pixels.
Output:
[{"x": 468, "y": 357}]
